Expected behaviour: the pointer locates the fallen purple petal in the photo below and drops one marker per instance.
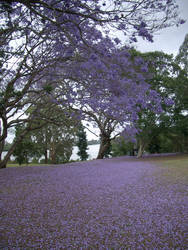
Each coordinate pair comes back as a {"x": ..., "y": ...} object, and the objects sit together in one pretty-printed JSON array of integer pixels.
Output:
[{"x": 117, "y": 203}]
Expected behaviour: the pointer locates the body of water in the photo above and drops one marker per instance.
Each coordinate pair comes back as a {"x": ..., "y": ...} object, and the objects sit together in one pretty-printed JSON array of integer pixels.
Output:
[{"x": 92, "y": 151}]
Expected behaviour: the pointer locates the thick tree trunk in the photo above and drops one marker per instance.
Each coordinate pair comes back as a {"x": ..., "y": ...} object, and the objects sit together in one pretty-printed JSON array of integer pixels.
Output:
[
  {"x": 3, "y": 163},
  {"x": 104, "y": 146},
  {"x": 2, "y": 145},
  {"x": 1, "y": 155}
]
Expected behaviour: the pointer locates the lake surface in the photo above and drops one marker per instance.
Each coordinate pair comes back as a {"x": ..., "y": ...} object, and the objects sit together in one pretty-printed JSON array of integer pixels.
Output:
[{"x": 92, "y": 151}]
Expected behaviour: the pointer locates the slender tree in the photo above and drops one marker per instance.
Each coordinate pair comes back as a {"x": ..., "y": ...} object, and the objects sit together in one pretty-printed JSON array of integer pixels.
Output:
[
  {"x": 25, "y": 149},
  {"x": 55, "y": 139},
  {"x": 82, "y": 143}
]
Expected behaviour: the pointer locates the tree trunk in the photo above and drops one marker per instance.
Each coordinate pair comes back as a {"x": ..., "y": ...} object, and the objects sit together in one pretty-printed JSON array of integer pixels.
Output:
[
  {"x": 104, "y": 146},
  {"x": 1, "y": 149},
  {"x": 141, "y": 149},
  {"x": 53, "y": 152},
  {"x": 2, "y": 145},
  {"x": 46, "y": 147},
  {"x": 46, "y": 156},
  {"x": 3, "y": 163}
]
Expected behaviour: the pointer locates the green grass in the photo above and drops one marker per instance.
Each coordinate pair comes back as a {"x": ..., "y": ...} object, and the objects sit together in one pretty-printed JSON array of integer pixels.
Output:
[
  {"x": 175, "y": 168},
  {"x": 25, "y": 165}
]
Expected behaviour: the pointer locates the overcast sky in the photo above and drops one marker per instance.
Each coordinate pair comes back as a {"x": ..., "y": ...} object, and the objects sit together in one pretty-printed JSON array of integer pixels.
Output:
[{"x": 170, "y": 39}]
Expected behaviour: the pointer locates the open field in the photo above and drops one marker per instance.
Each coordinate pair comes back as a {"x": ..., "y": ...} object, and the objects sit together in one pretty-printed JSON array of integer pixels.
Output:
[{"x": 118, "y": 203}]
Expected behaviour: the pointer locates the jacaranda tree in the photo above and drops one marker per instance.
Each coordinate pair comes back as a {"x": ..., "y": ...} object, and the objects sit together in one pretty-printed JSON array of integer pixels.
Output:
[
  {"x": 42, "y": 40},
  {"x": 114, "y": 107}
]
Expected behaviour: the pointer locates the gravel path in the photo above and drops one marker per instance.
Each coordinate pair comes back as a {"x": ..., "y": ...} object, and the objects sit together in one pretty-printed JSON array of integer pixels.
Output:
[{"x": 119, "y": 203}]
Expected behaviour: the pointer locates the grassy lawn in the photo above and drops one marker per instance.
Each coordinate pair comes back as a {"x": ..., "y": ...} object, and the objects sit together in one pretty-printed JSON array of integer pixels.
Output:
[
  {"x": 24, "y": 165},
  {"x": 174, "y": 168}
]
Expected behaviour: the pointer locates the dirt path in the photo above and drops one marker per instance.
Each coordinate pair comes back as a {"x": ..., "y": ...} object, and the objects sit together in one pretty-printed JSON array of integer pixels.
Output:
[{"x": 119, "y": 203}]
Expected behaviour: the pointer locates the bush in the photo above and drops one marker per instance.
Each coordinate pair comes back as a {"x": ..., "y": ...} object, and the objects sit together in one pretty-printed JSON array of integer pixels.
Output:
[
  {"x": 42, "y": 161},
  {"x": 120, "y": 147},
  {"x": 35, "y": 160}
]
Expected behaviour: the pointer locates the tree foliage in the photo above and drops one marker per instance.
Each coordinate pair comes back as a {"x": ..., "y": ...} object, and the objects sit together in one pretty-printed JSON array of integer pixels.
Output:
[
  {"x": 121, "y": 147},
  {"x": 55, "y": 140},
  {"x": 182, "y": 56},
  {"x": 25, "y": 149},
  {"x": 45, "y": 43},
  {"x": 166, "y": 131},
  {"x": 161, "y": 131}
]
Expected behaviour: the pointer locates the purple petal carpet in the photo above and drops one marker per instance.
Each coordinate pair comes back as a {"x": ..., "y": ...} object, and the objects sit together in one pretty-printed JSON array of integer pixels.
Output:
[{"x": 118, "y": 203}]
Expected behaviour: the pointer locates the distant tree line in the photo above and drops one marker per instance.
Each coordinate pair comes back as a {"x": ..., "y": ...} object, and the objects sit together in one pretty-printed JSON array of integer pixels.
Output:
[
  {"x": 93, "y": 142},
  {"x": 53, "y": 142}
]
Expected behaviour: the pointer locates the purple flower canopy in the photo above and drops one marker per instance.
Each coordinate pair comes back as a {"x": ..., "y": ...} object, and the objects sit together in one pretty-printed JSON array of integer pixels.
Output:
[
  {"x": 113, "y": 203},
  {"x": 63, "y": 50}
]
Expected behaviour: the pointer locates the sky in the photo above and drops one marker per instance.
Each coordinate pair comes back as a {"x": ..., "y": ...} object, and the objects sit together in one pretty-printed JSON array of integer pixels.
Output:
[{"x": 170, "y": 39}]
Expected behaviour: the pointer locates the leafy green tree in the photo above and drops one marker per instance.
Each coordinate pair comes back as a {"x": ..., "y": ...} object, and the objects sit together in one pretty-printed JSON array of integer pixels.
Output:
[
  {"x": 166, "y": 132},
  {"x": 182, "y": 56},
  {"x": 181, "y": 90},
  {"x": 55, "y": 140},
  {"x": 61, "y": 143},
  {"x": 7, "y": 146},
  {"x": 180, "y": 116},
  {"x": 163, "y": 78},
  {"x": 25, "y": 149},
  {"x": 42, "y": 138},
  {"x": 82, "y": 143},
  {"x": 120, "y": 147}
]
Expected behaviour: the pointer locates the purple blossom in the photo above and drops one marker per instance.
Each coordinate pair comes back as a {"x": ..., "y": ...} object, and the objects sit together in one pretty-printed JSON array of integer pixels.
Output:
[
  {"x": 117, "y": 41},
  {"x": 116, "y": 17},
  {"x": 121, "y": 26},
  {"x": 169, "y": 101},
  {"x": 182, "y": 21},
  {"x": 134, "y": 39}
]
